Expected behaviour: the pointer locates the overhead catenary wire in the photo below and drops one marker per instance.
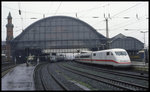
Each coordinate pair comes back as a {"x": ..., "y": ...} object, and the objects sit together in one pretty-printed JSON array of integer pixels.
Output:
[
  {"x": 129, "y": 20},
  {"x": 131, "y": 23},
  {"x": 33, "y": 12},
  {"x": 128, "y": 23},
  {"x": 40, "y": 13},
  {"x": 22, "y": 10},
  {"x": 19, "y": 6},
  {"x": 52, "y": 13},
  {"x": 125, "y": 10},
  {"x": 117, "y": 13},
  {"x": 50, "y": 6},
  {"x": 87, "y": 11},
  {"x": 58, "y": 8}
]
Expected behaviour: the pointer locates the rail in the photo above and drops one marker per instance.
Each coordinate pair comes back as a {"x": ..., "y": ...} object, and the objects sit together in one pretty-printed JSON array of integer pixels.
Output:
[
  {"x": 120, "y": 73},
  {"x": 113, "y": 82},
  {"x": 44, "y": 86},
  {"x": 6, "y": 69}
]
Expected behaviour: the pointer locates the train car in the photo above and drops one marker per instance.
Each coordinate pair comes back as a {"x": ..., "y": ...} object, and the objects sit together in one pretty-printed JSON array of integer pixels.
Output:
[
  {"x": 60, "y": 57},
  {"x": 114, "y": 57},
  {"x": 70, "y": 56},
  {"x": 53, "y": 57}
]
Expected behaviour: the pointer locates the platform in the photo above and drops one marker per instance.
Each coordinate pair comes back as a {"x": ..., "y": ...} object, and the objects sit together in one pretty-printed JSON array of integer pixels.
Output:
[
  {"x": 140, "y": 65},
  {"x": 19, "y": 78}
]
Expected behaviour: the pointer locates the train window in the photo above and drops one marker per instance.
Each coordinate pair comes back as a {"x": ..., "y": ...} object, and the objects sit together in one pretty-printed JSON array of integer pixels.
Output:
[
  {"x": 54, "y": 54},
  {"x": 111, "y": 53},
  {"x": 107, "y": 53},
  {"x": 85, "y": 56},
  {"x": 121, "y": 53},
  {"x": 94, "y": 54},
  {"x": 76, "y": 56}
]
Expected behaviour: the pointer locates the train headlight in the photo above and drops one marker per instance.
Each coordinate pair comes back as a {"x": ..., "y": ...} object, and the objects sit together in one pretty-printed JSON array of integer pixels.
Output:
[
  {"x": 120, "y": 60},
  {"x": 123, "y": 61}
]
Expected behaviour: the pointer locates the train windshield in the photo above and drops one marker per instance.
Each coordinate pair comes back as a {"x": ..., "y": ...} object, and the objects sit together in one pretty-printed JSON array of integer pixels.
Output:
[{"x": 120, "y": 53}]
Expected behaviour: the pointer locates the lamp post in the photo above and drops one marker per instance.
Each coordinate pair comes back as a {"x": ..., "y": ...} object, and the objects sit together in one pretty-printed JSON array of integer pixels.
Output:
[
  {"x": 144, "y": 44},
  {"x": 140, "y": 31},
  {"x": 107, "y": 29},
  {"x": 144, "y": 36},
  {"x": 144, "y": 39},
  {"x": 107, "y": 33},
  {"x": 15, "y": 60}
]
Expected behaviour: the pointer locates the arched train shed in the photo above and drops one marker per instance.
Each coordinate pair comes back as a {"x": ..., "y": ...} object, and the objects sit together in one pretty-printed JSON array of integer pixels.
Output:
[{"x": 58, "y": 34}]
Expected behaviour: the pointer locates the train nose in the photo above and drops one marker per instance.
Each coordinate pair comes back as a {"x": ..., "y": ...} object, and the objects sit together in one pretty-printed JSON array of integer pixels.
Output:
[{"x": 124, "y": 59}]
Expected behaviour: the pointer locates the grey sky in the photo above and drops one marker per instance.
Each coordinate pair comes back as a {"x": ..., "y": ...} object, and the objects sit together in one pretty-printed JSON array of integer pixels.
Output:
[{"x": 137, "y": 11}]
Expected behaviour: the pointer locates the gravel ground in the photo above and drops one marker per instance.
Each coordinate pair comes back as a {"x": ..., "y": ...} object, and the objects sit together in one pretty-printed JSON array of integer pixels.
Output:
[
  {"x": 93, "y": 71},
  {"x": 91, "y": 84},
  {"x": 75, "y": 82},
  {"x": 43, "y": 71},
  {"x": 37, "y": 80},
  {"x": 58, "y": 74},
  {"x": 48, "y": 80}
]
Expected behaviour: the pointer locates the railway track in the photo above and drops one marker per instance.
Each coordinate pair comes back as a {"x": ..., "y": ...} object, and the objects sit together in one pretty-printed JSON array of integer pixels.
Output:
[
  {"x": 37, "y": 81},
  {"x": 122, "y": 85},
  {"x": 43, "y": 79},
  {"x": 6, "y": 69},
  {"x": 114, "y": 72},
  {"x": 57, "y": 81}
]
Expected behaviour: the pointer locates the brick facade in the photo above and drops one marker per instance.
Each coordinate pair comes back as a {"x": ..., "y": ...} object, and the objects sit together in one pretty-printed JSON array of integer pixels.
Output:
[{"x": 9, "y": 37}]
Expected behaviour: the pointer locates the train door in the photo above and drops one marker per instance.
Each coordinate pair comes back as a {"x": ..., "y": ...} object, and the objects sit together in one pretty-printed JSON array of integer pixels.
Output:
[
  {"x": 109, "y": 57},
  {"x": 92, "y": 56}
]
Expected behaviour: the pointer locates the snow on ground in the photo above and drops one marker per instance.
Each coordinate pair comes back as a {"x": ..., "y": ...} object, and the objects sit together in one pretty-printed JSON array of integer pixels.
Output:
[{"x": 20, "y": 78}]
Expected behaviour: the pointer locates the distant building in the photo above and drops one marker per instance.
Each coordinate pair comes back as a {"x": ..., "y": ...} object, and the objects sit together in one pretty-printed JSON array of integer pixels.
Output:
[
  {"x": 132, "y": 45},
  {"x": 3, "y": 47},
  {"x": 144, "y": 54},
  {"x": 3, "y": 53}
]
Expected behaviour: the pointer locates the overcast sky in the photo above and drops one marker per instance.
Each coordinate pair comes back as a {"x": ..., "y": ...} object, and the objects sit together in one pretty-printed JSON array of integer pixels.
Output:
[{"x": 121, "y": 15}]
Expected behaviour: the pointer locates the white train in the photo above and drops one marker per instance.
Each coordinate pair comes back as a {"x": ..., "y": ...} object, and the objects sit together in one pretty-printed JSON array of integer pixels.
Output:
[
  {"x": 114, "y": 57},
  {"x": 55, "y": 57}
]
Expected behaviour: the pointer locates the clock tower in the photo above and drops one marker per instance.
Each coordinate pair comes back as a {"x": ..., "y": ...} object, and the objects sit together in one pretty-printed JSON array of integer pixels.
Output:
[{"x": 9, "y": 28}]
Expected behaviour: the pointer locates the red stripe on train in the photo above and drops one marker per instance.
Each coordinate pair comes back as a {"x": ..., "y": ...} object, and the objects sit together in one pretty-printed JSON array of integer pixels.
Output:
[{"x": 105, "y": 60}]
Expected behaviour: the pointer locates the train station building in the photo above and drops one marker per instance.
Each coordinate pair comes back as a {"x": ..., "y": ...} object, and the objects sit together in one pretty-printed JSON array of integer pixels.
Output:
[
  {"x": 57, "y": 34},
  {"x": 131, "y": 44},
  {"x": 64, "y": 34}
]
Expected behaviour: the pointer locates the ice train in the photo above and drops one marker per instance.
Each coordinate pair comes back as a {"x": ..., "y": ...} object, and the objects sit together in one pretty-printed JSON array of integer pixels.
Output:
[
  {"x": 115, "y": 57},
  {"x": 55, "y": 57}
]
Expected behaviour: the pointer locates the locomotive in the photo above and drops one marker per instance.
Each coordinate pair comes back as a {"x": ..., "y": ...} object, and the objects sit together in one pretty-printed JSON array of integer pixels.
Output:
[{"x": 115, "y": 57}]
